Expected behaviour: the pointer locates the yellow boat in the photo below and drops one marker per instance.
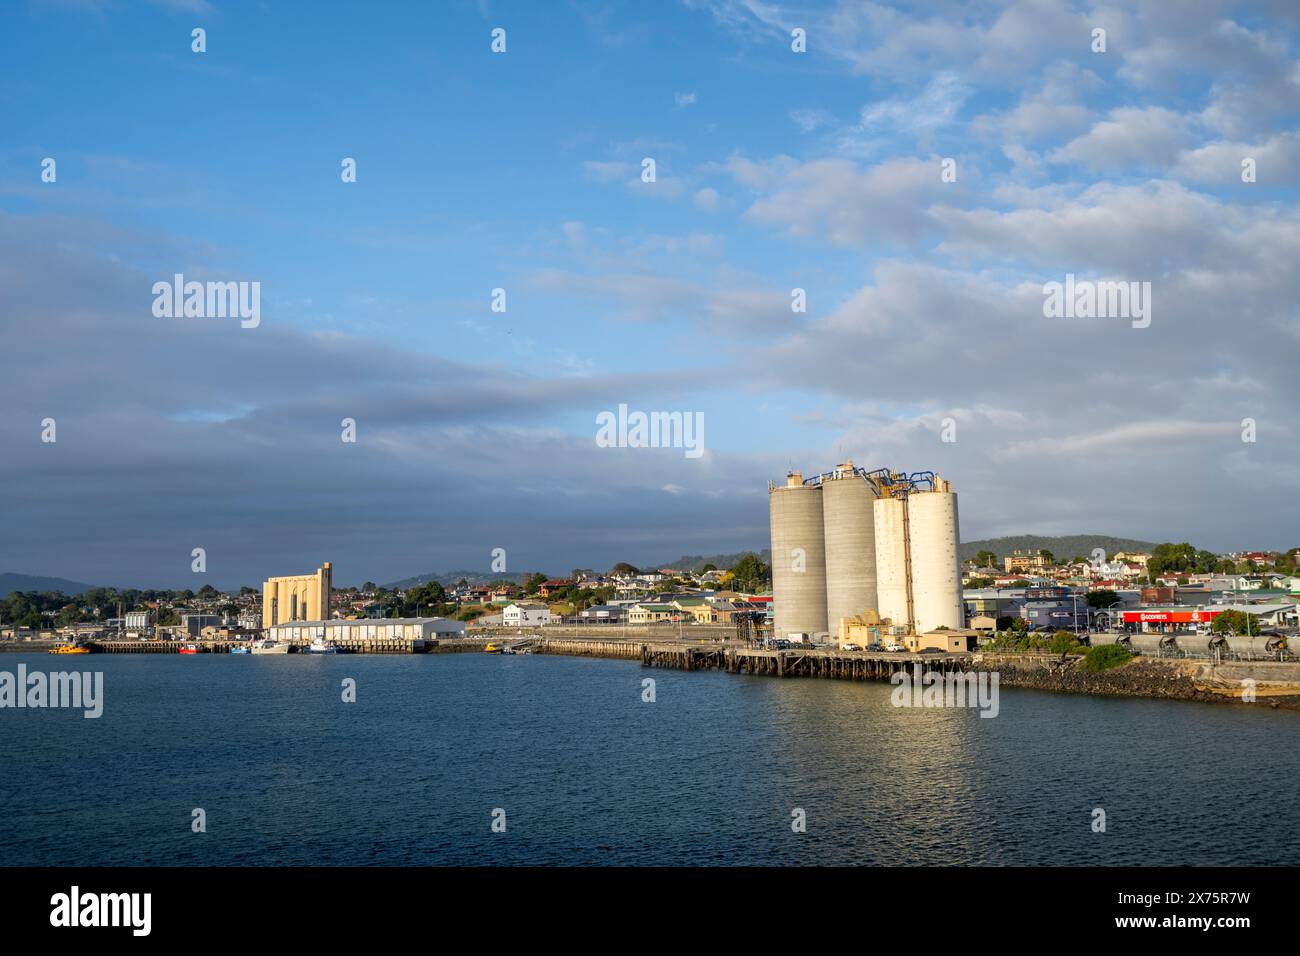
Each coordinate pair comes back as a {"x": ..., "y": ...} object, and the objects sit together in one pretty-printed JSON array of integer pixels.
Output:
[
  {"x": 70, "y": 649},
  {"x": 492, "y": 649}
]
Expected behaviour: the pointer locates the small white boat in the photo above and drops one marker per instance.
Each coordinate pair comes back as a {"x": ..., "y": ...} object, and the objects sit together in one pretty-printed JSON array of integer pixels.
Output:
[
  {"x": 319, "y": 646},
  {"x": 270, "y": 647}
]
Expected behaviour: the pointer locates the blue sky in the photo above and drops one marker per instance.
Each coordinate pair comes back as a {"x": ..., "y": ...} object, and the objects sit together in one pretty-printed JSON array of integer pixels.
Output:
[{"x": 520, "y": 170}]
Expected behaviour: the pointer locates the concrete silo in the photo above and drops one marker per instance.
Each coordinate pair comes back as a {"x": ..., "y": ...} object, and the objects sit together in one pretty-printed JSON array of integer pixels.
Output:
[
  {"x": 850, "y": 534},
  {"x": 892, "y": 591},
  {"x": 936, "y": 576},
  {"x": 798, "y": 558}
]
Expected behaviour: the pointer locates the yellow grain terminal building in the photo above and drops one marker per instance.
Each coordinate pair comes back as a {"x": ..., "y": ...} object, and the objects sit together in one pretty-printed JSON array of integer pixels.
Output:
[{"x": 304, "y": 597}]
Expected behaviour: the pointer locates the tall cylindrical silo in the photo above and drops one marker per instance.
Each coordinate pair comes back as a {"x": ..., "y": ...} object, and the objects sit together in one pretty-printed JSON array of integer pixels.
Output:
[
  {"x": 936, "y": 576},
  {"x": 849, "y": 522},
  {"x": 798, "y": 558},
  {"x": 891, "y": 559}
]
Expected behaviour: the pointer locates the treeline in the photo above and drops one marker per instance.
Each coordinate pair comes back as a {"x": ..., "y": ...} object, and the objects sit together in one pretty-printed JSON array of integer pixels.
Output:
[
  {"x": 40, "y": 608},
  {"x": 1172, "y": 559}
]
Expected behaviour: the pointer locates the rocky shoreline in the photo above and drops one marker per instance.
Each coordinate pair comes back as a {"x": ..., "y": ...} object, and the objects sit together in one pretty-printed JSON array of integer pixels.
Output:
[{"x": 1149, "y": 677}]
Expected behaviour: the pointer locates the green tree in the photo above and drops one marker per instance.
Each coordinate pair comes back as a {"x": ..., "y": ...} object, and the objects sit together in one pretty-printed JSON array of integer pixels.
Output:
[
  {"x": 1102, "y": 597},
  {"x": 423, "y": 599},
  {"x": 751, "y": 574},
  {"x": 1064, "y": 642},
  {"x": 986, "y": 559},
  {"x": 1235, "y": 622},
  {"x": 1168, "y": 557},
  {"x": 1104, "y": 657}
]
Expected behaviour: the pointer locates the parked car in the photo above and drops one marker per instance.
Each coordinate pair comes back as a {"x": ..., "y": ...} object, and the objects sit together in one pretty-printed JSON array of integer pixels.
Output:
[
  {"x": 929, "y": 650},
  {"x": 893, "y": 647},
  {"x": 874, "y": 647},
  {"x": 850, "y": 647}
]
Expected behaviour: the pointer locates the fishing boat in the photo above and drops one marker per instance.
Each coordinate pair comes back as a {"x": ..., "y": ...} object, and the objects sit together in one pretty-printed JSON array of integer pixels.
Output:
[
  {"x": 190, "y": 649},
  {"x": 319, "y": 646},
  {"x": 70, "y": 649},
  {"x": 269, "y": 646},
  {"x": 240, "y": 649}
]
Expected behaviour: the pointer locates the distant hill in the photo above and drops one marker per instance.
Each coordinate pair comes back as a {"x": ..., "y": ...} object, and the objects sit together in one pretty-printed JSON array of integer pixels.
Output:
[
  {"x": 30, "y": 582},
  {"x": 1063, "y": 548},
  {"x": 694, "y": 562},
  {"x": 451, "y": 577}
]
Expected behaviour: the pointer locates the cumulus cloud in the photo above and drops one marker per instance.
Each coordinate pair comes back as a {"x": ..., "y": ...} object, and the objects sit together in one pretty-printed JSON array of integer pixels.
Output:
[
  {"x": 183, "y": 433},
  {"x": 1151, "y": 137},
  {"x": 843, "y": 203}
]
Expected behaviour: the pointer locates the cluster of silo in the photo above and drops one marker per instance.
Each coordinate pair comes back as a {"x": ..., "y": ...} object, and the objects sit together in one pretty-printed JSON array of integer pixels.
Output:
[{"x": 851, "y": 541}]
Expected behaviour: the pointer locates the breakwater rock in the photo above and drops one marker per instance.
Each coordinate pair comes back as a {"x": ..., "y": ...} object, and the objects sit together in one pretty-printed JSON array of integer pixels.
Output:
[{"x": 1271, "y": 683}]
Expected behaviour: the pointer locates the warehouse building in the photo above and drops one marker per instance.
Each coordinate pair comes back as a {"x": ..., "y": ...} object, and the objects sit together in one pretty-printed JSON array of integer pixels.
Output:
[{"x": 368, "y": 629}]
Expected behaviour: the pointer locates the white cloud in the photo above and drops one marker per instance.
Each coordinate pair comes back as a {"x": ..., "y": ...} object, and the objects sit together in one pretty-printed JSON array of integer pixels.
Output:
[
  {"x": 708, "y": 199},
  {"x": 809, "y": 120},
  {"x": 1129, "y": 137},
  {"x": 937, "y": 105}
]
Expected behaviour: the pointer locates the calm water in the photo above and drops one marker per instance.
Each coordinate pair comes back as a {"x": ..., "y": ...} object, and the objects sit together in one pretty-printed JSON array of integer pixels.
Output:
[{"x": 588, "y": 773}]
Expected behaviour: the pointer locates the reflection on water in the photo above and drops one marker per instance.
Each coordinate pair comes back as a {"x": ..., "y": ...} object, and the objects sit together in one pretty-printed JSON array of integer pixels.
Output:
[{"x": 588, "y": 773}]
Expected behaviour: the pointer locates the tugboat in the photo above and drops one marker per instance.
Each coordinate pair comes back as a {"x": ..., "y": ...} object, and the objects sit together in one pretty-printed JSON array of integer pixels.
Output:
[
  {"x": 70, "y": 649},
  {"x": 318, "y": 646},
  {"x": 190, "y": 649}
]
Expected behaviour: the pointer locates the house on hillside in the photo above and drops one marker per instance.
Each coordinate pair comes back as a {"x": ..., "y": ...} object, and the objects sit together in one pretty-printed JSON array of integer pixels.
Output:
[{"x": 525, "y": 614}]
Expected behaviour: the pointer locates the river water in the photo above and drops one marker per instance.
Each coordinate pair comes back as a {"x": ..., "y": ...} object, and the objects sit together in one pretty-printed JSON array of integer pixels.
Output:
[{"x": 582, "y": 770}]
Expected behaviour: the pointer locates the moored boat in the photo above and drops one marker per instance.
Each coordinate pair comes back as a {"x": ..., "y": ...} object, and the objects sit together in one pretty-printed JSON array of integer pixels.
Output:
[
  {"x": 269, "y": 646},
  {"x": 320, "y": 646},
  {"x": 240, "y": 649},
  {"x": 190, "y": 649},
  {"x": 70, "y": 649}
]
